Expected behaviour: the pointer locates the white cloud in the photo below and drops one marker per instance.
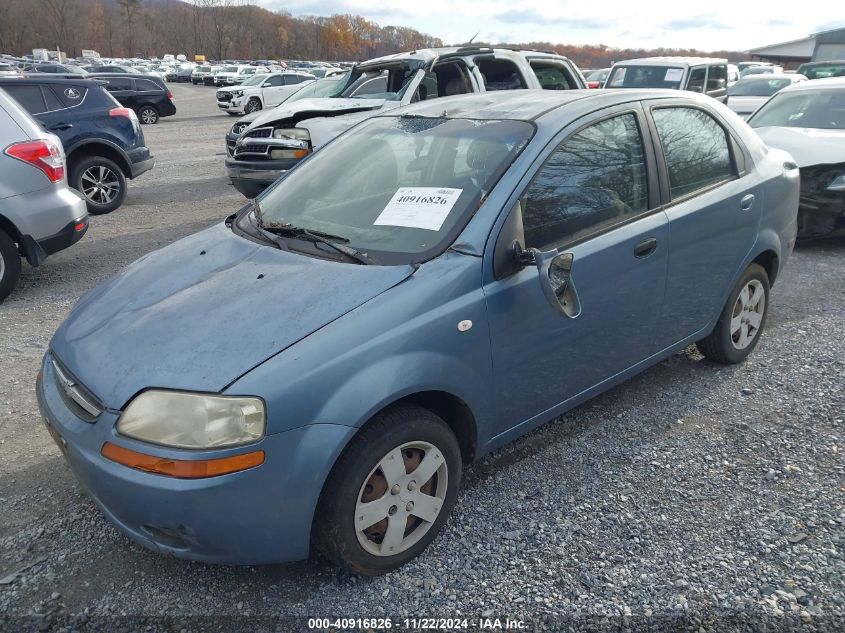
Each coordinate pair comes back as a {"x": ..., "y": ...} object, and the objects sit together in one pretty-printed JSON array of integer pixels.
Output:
[{"x": 717, "y": 24}]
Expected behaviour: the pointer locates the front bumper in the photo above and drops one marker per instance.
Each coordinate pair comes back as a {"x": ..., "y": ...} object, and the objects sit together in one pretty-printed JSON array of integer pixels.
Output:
[
  {"x": 256, "y": 516},
  {"x": 235, "y": 105},
  {"x": 251, "y": 177},
  {"x": 821, "y": 211}
]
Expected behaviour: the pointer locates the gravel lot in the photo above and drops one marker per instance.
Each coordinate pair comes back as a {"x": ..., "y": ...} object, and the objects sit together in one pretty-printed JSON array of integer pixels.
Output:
[{"x": 694, "y": 495}]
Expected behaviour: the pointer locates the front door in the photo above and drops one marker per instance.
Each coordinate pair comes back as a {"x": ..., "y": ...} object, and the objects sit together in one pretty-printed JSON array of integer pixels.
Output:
[
  {"x": 590, "y": 198},
  {"x": 272, "y": 90}
]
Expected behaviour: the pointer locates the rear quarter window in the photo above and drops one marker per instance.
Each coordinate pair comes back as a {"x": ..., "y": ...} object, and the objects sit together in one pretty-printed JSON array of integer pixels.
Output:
[
  {"x": 146, "y": 84},
  {"x": 70, "y": 96}
]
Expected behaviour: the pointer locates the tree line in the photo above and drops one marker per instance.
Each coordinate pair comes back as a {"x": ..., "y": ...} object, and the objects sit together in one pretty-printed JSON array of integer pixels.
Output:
[
  {"x": 236, "y": 29},
  {"x": 218, "y": 29}
]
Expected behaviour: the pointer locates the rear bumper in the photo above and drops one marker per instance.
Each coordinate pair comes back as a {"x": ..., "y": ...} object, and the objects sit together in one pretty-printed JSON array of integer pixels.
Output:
[
  {"x": 140, "y": 161},
  {"x": 251, "y": 177},
  {"x": 166, "y": 108},
  {"x": 65, "y": 238}
]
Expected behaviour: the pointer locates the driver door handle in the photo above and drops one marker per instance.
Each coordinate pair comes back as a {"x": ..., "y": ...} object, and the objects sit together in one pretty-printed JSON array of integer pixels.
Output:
[
  {"x": 645, "y": 248},
  {"x": 747, "y": 203},
  {"x": 62, "y": 126}
]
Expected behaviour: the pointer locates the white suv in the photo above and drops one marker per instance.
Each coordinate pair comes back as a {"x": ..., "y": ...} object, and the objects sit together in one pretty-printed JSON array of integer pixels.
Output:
[
  {"x": 261, "y": 91},
  {"x": 226, "y": 75}
]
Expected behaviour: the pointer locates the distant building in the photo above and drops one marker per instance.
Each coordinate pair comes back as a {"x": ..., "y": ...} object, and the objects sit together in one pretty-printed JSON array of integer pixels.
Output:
[{"x": 822, "y": 46}]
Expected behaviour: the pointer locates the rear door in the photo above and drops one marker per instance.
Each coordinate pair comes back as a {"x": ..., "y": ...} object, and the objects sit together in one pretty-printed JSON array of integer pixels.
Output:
[
  {"x": 122, "y": 89},
  {"x": 714, "y": 208}
]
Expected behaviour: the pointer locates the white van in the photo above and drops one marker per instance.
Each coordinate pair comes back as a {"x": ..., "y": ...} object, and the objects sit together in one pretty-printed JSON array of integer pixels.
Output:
[{"x": 708, "y": 75}]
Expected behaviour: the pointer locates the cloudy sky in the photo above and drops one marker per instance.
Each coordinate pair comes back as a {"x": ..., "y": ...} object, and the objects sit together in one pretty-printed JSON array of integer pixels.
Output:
[{"x": 711, "y": 25}]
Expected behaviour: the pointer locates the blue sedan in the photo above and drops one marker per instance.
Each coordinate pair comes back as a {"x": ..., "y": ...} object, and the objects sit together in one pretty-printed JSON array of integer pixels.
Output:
[{"x": 436, "y": 282}]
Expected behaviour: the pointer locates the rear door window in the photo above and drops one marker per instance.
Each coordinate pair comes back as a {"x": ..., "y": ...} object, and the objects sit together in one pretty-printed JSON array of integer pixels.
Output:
[
  {"x": 117, "y": 84},
  {"x": 147, "y": 84},
  {"x": 553, "y": 76},
  {"x": 29, "y": 96},
  {"x": 695, "y": 148},
  {"x": 500, "y": 74}
]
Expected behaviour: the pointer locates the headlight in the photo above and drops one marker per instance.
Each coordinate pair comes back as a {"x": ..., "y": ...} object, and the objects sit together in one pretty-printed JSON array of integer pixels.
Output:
[
  {"x": 193, "y": 420},
  {"x": 838, "y": 184},
  {"x": 297, "y": 133},
  {"x": 238, "y": 93}
]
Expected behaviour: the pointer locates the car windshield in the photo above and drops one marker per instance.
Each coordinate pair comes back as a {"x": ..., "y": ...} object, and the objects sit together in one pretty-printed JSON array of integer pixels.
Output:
[
  {"x": 822, "y": 71},
  {"x": 423, "y": 178},
  {"x": 230, "y": 69},
  {"x": 645, "y": 77},
  {"x": 822, "y": 109},
  {"x": 757, "y": 87},
  {"x": 76, "y": 70},
  {"x": 596, "y": 75},
  {"x": 320, "y": 88},
  {"x": 254, "y": 80},
  {"x": 395, "y": 76}
]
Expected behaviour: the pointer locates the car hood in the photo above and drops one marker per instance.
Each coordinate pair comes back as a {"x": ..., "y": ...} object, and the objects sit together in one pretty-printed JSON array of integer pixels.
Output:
[
  {"x": 318, "y": 107},
  {"x": 808, "y": 146},
  {"x": 747, "y": 103},
  {"x": 202, "y": 312}
]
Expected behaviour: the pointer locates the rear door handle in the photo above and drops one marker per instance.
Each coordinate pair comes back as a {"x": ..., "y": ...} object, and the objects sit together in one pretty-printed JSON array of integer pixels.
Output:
[
  {"x": 62, "y": 126},
  {"x": 645, "y": 248},
  {"x": 747, "y": 203}
]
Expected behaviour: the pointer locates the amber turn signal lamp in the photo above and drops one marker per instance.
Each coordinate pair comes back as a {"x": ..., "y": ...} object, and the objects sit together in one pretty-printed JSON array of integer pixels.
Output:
[{"x": 181, "y": 468}]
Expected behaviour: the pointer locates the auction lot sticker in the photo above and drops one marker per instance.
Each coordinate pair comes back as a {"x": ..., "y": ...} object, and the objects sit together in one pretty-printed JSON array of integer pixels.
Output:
[{"x": 419, "y": 207}]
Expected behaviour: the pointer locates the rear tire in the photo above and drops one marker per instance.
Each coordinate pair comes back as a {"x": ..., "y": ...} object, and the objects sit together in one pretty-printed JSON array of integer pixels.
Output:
[
  {"x": 408, "y": 440},
  {"x": 743, "y": 318},
  {"x": 148, "y": 115},
  {"x": 10, "y": 265},
  {"x": 85, "y": 177}
]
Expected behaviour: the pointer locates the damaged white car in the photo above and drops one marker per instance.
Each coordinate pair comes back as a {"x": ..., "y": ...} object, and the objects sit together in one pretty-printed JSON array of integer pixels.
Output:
[
  {"x": 807, "y": 119},
  {"x": 276, "y": 140}
]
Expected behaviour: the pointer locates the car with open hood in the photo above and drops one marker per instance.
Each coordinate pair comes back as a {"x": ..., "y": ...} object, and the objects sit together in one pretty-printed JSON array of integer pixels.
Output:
[
  {"x": 432, "y": 284},
  {"x": 278, "y": 139},
  {"x": 807, "y": 119}
]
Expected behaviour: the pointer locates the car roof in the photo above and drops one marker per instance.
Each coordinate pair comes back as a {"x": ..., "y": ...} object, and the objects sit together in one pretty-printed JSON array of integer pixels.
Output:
[
  {"x": 427, "y": 54},
  {"x": 62, "y": 81},
  {"x": 527, "y": 105},
  {"x": 828, "y": 83},
  {"x": 827, "y": 63},
  {"x": 770, "y": 76},
  {"x": 662, "y": 61}
]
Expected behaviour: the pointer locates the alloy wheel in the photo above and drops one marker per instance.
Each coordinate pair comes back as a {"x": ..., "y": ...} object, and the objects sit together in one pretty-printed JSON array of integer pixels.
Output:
[
  {"x": 747, "y": 315},
  {"x": 149, "y": 116},
  {"x": 100, "y": 184},
  {"x": 401, "y": 498},
  {"x": 252, "y": 106}
]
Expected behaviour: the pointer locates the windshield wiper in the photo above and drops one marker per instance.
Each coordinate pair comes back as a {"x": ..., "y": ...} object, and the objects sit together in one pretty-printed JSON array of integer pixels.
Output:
[{"x": 317, "y": 237}]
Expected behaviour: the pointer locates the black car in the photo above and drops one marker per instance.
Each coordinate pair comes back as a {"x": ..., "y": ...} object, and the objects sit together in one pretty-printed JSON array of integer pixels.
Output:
[
  {"x": 103, "y": 141},
  {"x": 112, "y": 69},
  {"x": 147, "y": 95}
]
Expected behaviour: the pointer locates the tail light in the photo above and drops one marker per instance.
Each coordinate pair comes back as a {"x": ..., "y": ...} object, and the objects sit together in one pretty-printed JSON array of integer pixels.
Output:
[
  {"x": 127, "y": 112},
  {"x": 170, "y": 95},
  {"x": 43, "y": 154},
  {"x": 593, "y": 84}
]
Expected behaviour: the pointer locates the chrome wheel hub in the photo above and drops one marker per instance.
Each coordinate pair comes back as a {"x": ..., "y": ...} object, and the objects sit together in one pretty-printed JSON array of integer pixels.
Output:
[{"x": 401, "y": 498}]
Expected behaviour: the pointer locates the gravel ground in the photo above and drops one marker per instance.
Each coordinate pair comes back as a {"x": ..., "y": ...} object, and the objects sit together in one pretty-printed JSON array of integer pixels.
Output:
[{"x": 693, "y": 496}]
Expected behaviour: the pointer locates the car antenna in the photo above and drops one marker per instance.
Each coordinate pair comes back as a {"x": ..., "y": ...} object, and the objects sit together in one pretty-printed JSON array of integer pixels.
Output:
[{"x": 473, "y": 37}]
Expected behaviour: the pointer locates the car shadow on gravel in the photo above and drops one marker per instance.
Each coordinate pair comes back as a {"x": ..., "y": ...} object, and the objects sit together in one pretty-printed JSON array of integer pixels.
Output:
[{"x": 192, "y": 190}]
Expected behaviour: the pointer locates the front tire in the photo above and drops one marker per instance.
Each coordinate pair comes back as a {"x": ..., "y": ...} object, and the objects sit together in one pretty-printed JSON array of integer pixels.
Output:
[
  {"x": 148, "y": 115},
  {"x": 390, "y": 492},
  {"x": 743, "y": 318},
  {"x": 10, "y": 265},
  {"x": 101, "y": 182},
  {"x": 253, "y": 105}
]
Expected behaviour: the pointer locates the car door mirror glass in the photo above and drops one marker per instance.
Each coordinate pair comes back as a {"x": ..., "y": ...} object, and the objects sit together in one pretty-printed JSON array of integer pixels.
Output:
[{"x": 555, "y": 273}]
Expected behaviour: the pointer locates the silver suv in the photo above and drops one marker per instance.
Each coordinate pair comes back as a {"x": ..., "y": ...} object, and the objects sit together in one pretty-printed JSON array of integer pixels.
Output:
[{"x": 39, "y": 214}]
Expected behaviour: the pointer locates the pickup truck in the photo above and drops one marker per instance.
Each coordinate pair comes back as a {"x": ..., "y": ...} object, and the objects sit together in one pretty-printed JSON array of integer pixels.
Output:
[
  {"x": 277, "y": 139},
  {"x": 260, "y": 91}
]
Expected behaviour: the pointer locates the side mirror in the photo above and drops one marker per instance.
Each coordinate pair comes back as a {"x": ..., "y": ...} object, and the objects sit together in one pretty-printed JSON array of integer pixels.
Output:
[
  {"x": 509, "y": 256},
  {"x": 555, "y": 271}
]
